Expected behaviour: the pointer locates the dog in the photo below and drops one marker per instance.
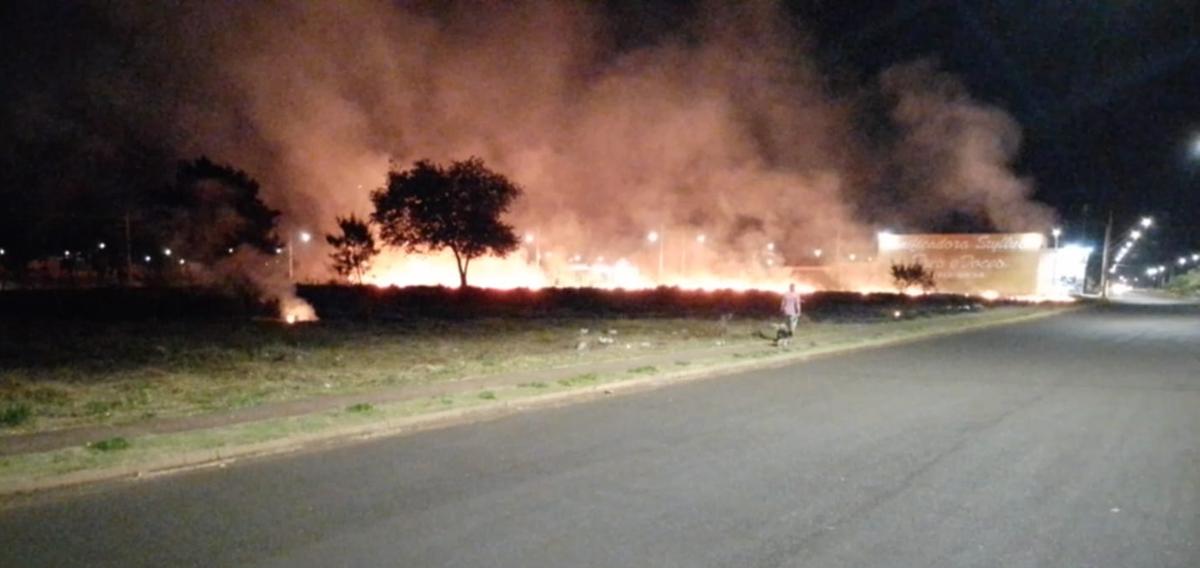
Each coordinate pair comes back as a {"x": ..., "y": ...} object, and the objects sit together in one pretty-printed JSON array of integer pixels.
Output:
[{"x": 783, "y": 337}]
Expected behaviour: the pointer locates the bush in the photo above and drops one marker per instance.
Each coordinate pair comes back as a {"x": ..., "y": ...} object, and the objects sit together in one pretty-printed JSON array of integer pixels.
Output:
[
  {"x": 15, "y": 414},
  {"x": 110, "y": 445},
  {"x": 1187, "y": 284},
  {"x": 914, "y": 275}
]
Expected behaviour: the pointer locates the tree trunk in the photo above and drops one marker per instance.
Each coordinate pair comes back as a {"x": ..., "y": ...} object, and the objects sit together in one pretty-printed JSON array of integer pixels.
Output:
[
  {"x": 462, "y": 273},
  {"x": 461, "y": 263}
]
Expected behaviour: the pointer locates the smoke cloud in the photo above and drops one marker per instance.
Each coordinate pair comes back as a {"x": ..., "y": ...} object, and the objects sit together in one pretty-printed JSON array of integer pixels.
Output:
[
  {"x": 725, "y": 127},
  {"x": 955, "y": 153}
]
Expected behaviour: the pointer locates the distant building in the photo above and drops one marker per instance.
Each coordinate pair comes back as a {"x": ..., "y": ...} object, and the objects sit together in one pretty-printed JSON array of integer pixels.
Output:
[{"x": 1003, "y": 264}]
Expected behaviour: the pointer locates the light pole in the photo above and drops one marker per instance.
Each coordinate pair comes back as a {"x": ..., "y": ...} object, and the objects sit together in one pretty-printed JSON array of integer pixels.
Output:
[
  {"x": 305, "y": 237},
  {"x": 700, "y": 240},
  {"x": 531, "y": 239},
  {"x": 656, "y": 237},
  {"x": 1054, "y": 279},
  {"x": 1145, "y": 223}
]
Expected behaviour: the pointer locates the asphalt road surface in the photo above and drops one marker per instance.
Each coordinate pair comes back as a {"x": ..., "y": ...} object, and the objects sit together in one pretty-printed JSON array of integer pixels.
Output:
[{"x": 1070, "y": 441}]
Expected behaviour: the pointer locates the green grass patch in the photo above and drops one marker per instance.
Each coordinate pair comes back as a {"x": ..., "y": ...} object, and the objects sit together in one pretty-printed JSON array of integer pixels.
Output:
[
  {"x": 579, "y": 380},
  {"x": 360, "y": 408},
  {"x": 15, "y": 414},
  {"x": 487, "y": 395},
  {"x": 110, "y": 445}
]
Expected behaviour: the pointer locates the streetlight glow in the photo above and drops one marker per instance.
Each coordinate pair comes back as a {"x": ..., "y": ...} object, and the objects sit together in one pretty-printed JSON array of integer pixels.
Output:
[
  {"x": 652, "y": 236},
  {"x": 1057, "y": 232},
  {"x": 102, "y": 245},
  {"x": 1147, "y": 221},
  {"x": 305, "y": 236},
  {"x": 818, "y": 252},
  {"x": 529, "y": 238},
  {"x": 701, "y": 238},
  {"x": 167, "y": 252}
]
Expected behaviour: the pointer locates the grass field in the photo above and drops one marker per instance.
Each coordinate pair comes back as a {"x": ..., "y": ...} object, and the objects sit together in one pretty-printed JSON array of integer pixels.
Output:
[{"x": 62, "y": 374}]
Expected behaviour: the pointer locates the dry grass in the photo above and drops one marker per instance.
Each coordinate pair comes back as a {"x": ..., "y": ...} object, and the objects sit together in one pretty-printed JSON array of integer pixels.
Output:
[
  {"x": 75, "y": 374},
  {"x": 67, "y": 374}
]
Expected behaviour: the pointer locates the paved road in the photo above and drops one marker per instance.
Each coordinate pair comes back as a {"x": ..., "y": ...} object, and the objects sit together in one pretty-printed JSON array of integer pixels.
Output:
[{"x": 1072, "y": 441}]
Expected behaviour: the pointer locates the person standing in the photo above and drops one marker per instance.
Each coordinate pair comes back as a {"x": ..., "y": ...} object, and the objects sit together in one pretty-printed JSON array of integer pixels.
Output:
[{"x": 791, "y": 309}]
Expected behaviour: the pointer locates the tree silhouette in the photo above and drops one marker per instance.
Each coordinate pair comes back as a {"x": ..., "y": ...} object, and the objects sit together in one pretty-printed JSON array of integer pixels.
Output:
[
  {"x": 431, "y": 207},
  {"x": 354, "y": 248},
  {"x": 212, "y": 208}
]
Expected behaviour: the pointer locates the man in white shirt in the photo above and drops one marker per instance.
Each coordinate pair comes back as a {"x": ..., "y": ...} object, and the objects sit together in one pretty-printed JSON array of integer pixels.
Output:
[{"x": 791, "y": 308}]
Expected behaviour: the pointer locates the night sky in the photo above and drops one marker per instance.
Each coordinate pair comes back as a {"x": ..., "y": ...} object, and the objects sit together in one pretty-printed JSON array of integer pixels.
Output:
[{"x": 1107, "y": 93}]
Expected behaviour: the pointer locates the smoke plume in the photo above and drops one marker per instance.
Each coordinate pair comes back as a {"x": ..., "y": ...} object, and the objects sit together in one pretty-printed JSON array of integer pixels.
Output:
[{"x": 722, "y": 135}]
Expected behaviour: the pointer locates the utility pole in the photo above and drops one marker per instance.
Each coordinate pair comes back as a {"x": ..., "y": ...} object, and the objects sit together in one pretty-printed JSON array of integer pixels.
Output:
[
  {"x": 1104, "y": 257},
  {"x": 662, "y": 245},
  {"x": 291, "y": 260},
  {"x": 128, "y": 250}
]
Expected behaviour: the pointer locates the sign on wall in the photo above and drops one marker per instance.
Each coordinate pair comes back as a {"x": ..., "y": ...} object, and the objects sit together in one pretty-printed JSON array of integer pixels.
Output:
[{"x": 1006, "y": 264}]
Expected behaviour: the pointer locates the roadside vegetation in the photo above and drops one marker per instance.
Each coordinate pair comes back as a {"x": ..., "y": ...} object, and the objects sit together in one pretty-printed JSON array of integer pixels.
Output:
[
  {"x": 65, "y": 372},
  {"x": 1187, "y": 284}
]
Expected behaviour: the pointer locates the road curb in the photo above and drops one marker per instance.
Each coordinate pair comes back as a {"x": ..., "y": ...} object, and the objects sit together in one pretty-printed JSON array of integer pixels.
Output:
[{"x": 323, "y": 439}]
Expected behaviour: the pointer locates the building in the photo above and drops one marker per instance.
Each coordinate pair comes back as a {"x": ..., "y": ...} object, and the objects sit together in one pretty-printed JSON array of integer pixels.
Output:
[{"x": 1001, "y": 264}]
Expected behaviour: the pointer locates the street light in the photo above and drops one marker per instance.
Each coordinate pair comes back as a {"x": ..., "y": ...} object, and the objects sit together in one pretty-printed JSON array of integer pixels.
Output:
[
  {"x": 102, "y": 245},
  {"x": 1147, "y": 221},
  {"x": 655, "y": 237},
  {"x": 818, "y": 252},
  {"x": 537, "y": 248},
  {"x": 167, "y": 252},
  {"x": 701, "y": 238},
  {"x": 1057, "y": 232},
  {"x": 305, "y": 237}
]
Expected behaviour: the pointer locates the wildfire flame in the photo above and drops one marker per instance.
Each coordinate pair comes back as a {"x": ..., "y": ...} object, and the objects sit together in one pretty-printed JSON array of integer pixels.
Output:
[{"x": 574, "y": 271}]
